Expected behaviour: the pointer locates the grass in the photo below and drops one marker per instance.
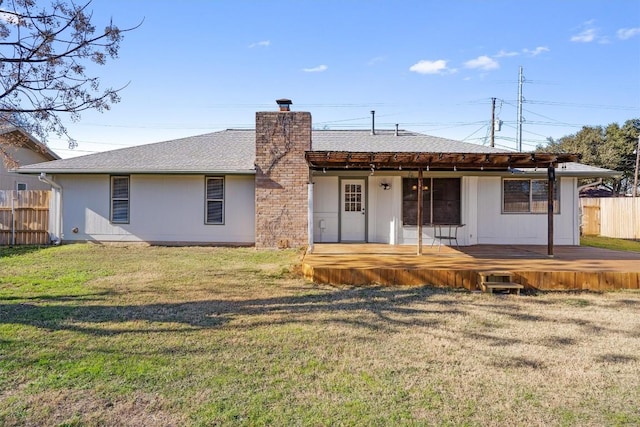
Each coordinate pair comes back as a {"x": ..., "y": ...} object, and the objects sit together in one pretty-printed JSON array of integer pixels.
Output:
[
  {"x": 95, "y": 335},
  {"x": 611, "y": 243}
]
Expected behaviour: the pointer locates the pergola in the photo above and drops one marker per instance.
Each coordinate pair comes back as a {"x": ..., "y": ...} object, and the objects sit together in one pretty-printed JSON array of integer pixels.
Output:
[
  {"x": 441, "y": 161},
  {"x": 433, "y": 161}
]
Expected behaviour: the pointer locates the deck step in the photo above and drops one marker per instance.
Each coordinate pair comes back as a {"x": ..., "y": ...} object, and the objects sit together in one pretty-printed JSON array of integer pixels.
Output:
[{"x": 503, "y": 280}]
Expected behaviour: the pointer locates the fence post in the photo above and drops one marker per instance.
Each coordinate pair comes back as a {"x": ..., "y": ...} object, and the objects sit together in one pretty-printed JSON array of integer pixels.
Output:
[{"x": 13, "y": 219}]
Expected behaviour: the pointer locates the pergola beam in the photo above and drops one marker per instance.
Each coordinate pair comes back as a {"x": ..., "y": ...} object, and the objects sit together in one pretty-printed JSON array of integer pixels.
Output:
[{"x": 435, "y": 161}]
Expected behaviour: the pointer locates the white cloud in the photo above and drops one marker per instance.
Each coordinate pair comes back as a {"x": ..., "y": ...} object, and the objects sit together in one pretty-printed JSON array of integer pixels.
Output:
[
  {"x": 537, "y": 51},
  {"x": 263, "y": 43},
  {"x": 318, "y": 69},
  {"x": 483, "y": 63},
  {"x": 376, "y": 60},
  {"x": 504, "y": 54},
  {"x": 586, "y": 36},
  {"x": 430, "y": 67},
  {"x": 627, "y": 33}
]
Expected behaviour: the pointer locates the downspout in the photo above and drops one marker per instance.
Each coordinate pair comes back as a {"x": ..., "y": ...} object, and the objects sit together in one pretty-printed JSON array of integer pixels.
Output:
[{"x": 56, "y": 235}]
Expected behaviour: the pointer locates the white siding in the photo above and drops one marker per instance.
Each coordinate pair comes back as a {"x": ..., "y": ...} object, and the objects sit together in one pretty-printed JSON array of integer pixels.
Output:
[
  {"x": 495, "y": 227},
  {"x": 384, "y": 209},
  {"x": 326, "y": 201},
  {"x": 481, "y": 212},
  {"x": 163, "y": 208},
  {"x": 485, "y": 223}
]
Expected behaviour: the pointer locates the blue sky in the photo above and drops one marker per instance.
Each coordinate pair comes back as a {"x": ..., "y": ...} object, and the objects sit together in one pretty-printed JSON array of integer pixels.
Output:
[{"x": 431, "y": 66}]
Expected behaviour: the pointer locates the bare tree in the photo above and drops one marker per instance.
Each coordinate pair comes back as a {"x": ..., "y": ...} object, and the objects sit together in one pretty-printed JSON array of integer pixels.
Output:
[{"x": 44, "y": 53}]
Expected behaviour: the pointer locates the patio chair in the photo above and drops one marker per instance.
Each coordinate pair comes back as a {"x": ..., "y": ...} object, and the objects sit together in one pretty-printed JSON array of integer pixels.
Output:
[{"x": 448, "y": 232}]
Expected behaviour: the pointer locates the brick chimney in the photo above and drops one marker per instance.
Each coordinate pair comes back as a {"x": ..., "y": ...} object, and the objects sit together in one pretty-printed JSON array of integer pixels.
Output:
[{"x": 282, "y": 174}]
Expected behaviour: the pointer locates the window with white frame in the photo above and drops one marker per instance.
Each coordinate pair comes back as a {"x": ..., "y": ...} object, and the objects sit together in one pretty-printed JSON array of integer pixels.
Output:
[
  {"x": 120, "y": 199},
  {"x": 528, "y": 196},
  {"x": 214, "y": 200}
]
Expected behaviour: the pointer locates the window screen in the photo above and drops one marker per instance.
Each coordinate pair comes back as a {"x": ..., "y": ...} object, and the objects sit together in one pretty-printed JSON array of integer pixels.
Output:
[
  {"x": 528, "y": 196},
  {"x": 215, "y": 200},
  {"x": 440, "y": 201},
  {"x": 120, "y": 199}
]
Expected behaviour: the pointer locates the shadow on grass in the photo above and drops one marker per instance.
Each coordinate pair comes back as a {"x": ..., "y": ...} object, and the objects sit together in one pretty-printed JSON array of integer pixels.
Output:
[
  {"x": 616, "y": 358},
  {"x": 10, "y": 251},
  {"x": 389, "y": 307},
  {"x": 84, "y": 297},
  {"x": 518, "y": 362}
]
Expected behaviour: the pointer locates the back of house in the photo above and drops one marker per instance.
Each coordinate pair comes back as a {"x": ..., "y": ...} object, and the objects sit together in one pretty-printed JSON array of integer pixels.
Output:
[{"x": 285, "y": 184}]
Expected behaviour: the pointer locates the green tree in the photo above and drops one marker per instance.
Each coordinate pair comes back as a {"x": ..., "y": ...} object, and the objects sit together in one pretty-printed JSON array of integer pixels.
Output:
[
  {"x": 45, "y": 49},
  {"x": 610, "y": 147}
]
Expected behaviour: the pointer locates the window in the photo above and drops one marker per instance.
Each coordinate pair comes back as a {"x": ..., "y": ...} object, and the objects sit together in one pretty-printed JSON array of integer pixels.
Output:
[
  {"x": 528, "y": 196},
  {"x": 21, "y": 186},
  {"x": 353, "y": 198},
  {"x": 440, "y": 201},
  {"x": 214, "y": 200},
  {"x": 120, "y": 199}
]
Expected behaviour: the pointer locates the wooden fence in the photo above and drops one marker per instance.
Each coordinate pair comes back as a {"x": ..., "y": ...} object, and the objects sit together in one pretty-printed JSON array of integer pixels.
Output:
[
  {"x": 24, "y": 217},
  {"x": 611, "y": 217}
]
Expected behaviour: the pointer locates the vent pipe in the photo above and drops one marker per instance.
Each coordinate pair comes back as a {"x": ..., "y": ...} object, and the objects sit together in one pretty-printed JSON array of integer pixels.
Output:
[
  {"x": 373, "y": 122},
  {"x": 396, "y": 129}
]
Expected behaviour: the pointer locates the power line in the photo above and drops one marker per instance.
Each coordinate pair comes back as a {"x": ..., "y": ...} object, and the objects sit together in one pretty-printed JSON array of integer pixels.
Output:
[{"x": 570, "y": 104}]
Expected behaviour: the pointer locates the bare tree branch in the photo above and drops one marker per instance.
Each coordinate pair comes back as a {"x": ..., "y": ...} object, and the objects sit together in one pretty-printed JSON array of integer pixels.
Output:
[{"x": 44, "y": 50}]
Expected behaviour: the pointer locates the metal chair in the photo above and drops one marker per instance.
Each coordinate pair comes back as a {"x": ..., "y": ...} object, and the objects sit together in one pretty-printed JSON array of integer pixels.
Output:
[{"x": 447, "y": 232}]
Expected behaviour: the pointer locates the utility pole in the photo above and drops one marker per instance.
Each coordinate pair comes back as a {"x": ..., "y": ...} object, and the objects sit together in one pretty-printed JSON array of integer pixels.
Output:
[
  {"x": 520, "y": 99},
  {"x": 493, "y": 121}
]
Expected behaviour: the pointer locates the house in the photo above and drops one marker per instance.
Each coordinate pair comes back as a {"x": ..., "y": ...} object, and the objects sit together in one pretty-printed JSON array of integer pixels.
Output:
[
  {"x": 18, "y": 148},
  {"x": 285, "y": 184}
]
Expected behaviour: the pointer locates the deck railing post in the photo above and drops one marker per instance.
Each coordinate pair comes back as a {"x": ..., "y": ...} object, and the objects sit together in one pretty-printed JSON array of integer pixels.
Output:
[
  {"x": 420, "y": 207},
  {"x": 551, "y": 174}
]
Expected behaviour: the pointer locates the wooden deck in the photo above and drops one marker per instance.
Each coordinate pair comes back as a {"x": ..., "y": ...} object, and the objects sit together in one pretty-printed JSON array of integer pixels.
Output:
[{"x": 572, "y": 267}]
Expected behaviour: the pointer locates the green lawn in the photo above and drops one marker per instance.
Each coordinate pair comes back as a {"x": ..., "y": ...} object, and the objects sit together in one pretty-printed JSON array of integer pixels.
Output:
[
  {"x": 101, "y": 335},
  {"x": 611, "y": 243}
]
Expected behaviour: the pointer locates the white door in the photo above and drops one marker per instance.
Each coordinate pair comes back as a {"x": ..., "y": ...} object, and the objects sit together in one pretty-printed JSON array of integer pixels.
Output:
[{"x": 352, "y": 208}]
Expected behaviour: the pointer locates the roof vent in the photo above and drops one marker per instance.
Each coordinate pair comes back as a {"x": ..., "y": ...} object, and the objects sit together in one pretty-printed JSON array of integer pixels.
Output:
[
  {"x": 373, "y": 122},
  {"x": 284, "y": 104}
]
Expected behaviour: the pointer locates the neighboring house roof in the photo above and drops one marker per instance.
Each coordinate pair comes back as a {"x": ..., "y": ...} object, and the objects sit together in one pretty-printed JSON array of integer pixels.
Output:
[
  {"x": 233, "y": 151},
  {"x": 29, "y": 141},
  {"x": 596, "y": 192}
]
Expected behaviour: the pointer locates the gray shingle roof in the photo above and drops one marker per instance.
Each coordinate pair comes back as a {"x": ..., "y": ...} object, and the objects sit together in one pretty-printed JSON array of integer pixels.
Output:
[
  {"x": 233, "y": 151},
  {"x": 229, "y": 151},
  {"x": 387, "y": 141},
  {"x": 573, "y": 169}
]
